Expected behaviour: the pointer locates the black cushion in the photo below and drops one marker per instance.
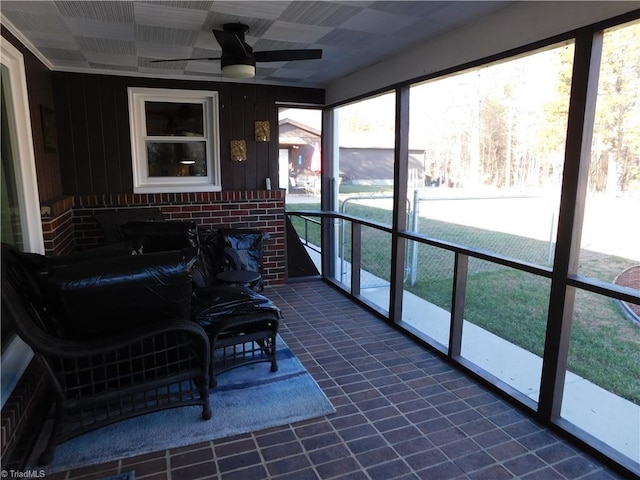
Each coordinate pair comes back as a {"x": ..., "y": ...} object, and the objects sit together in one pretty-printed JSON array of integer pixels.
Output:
[
  {"x": 223, "y": 249},
  {"x": 248, "y": 246},
  {"x": 106, "y": 251},
  {"x": 210, "y": 258},
  {"x": 161, "y": 236},
  {"x": 109, "y": 221},
  {"x": 219, "y": 307},
  {"x": 108, "y": 296}
]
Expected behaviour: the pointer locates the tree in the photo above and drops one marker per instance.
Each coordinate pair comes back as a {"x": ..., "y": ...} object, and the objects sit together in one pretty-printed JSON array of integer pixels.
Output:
[
  {"x": 615, "y": 160},
  {"x": 553, "y": 131}
]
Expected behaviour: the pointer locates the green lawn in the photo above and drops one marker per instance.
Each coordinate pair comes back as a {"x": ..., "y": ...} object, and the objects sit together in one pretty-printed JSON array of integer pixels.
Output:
[{"x": 604, "y": 346}]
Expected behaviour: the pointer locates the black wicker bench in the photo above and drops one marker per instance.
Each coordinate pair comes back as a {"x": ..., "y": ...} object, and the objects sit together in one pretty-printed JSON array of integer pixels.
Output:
[{"x": 101, "y": 370}]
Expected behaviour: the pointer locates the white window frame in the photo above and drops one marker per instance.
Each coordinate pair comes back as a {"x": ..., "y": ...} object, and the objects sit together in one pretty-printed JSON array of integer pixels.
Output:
[{"x": 142, "y": 182}]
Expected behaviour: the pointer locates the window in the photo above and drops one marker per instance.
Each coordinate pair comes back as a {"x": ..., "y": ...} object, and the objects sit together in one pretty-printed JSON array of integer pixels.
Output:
[
  {"x": 493, "y": 143},
  {"x": 365, "y": 135},
  {"x": 174, "y": 140}
]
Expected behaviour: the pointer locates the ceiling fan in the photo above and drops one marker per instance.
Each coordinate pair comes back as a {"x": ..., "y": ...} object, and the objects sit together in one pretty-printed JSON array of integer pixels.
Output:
[{"x": 238, "y": 59}]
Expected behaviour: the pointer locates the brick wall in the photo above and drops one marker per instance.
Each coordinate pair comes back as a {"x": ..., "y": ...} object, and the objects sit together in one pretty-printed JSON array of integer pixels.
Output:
[
  {"x": 70, "y": 223},
  {"x": 57, "y": 226},
  {"x": 22, "y": 416}
]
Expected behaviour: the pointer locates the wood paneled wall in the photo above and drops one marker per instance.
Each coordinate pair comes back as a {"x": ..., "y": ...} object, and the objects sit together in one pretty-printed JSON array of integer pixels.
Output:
[
  {"x": 40, "y": 94},
  {"x": 94, "y": 139}
]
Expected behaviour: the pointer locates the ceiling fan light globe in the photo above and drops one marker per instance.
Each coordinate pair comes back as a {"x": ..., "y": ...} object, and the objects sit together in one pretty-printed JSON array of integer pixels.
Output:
[{"x": 239, "y": 71}]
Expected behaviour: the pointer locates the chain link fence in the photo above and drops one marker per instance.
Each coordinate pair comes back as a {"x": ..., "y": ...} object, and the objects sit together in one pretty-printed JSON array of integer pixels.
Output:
[{"x": 518, "y": 227}]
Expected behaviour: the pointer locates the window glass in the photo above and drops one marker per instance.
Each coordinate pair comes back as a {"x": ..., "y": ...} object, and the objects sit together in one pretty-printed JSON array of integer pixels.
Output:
[
  {"x": 299, "y": 154},
  {"x": 505, "y": 323},
  {"x": 364, "y": 159},
  {"x": 375, "y": 270},
  {"x": 492, "y": 144},
  {"x": 426, "y": 301},
  {"x": 366, "y": 153},
  {"x": 174, "y": 119},
  {"x": 177, "y": 159},
  {"x": 611, "y": 229},
  {"x": 342, "y": 268},
  {"x": 602, "y": 383}
]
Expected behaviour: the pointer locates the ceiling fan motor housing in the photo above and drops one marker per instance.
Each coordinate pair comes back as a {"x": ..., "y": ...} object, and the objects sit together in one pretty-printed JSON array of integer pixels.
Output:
[
  {"x": 232, "y": 59},
  {"x": 238, "y": 59},
  {"x": 237, "y": 28}
]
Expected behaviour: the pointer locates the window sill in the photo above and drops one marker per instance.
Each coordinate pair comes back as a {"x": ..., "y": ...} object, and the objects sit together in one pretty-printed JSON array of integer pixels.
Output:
[{"x": 176, "y": 188}]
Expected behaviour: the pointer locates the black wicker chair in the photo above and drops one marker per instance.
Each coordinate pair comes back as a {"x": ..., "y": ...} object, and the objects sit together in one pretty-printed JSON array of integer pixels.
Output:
[
  {"x": 241, "y": 324},
  {"x": 107, "y": 378}
]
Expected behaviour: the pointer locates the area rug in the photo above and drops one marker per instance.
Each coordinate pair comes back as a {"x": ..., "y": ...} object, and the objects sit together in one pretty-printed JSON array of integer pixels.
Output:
[{"x": 247, "y": 399}]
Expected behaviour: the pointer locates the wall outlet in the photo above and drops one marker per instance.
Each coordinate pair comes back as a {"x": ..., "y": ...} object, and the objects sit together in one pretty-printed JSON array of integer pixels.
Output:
[{"x": 268, "y": 182}]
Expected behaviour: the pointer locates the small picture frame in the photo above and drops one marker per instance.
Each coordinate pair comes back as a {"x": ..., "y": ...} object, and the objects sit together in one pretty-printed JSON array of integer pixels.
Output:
[
  {"x": 49, "y": 135},
  {"x": 262, "y": 131},
  {"x": 238, "y": 150}
]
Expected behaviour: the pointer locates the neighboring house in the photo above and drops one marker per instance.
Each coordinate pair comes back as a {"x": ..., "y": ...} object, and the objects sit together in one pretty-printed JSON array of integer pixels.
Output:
[
  {"x": 358, "y": 165},
  {"x": 299, "y": 141},
  {"x": 297, "y": 145},
  {"x": 374, "y": 166}
]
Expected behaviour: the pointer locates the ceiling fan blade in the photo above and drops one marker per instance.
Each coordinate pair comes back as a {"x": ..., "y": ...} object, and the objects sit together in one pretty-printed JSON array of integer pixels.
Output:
[
  {"x": 183, "y": 59},
  {"x": 231, "y": 43},
  {"x": 287, "y": 55}
]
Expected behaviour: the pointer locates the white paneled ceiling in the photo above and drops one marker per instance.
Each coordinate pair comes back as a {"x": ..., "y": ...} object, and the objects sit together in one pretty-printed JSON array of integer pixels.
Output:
[{"x": 122, "y": 37}]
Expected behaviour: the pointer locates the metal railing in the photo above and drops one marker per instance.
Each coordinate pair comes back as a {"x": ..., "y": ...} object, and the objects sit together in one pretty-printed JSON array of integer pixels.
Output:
[
  {"x": 462, "y": 254},
  {"x": 305, "y": 237}
]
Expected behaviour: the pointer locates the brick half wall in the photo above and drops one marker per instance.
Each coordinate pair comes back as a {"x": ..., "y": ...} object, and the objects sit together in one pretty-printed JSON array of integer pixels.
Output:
[{"x": 259, "y": 209}]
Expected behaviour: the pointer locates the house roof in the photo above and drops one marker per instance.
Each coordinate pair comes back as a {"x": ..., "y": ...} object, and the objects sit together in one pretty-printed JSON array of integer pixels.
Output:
[
  {"x": 292, "y": 132},
  {"x": 375, "y": 163}
]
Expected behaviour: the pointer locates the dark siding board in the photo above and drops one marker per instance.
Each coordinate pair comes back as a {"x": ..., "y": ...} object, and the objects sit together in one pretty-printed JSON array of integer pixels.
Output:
[
  {"x": 64, "y": 124},
  {"x": 263, "y": 154},
  {"x": 110, "y": 121},
  {"x": 238, "y": 133},
  {"x": 81, "y": 146},
  {"x": 40, "y": 94},
  {"x": 226, "y": 172},
  {"x": 123, "y": 135},
  {"x": 250, "y": 178},
  {"x": 262, "y": 162},
  {"x": 96, "y": 134}
]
